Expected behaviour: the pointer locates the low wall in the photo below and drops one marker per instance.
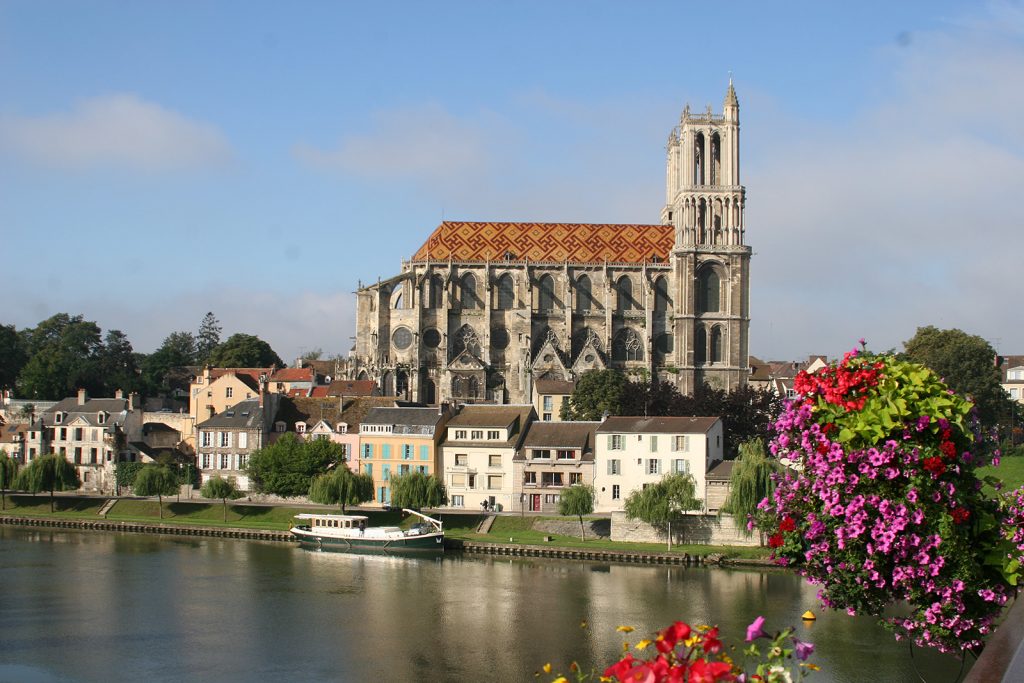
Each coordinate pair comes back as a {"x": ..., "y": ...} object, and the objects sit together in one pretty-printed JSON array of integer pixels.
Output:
[
  {"x": 703, "y": 529},
  {"x": 596, "y": 528}
]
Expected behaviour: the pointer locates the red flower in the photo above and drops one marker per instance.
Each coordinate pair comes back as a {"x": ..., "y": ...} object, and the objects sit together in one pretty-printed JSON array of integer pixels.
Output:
[
  {"x": 948, "y": 449},
  {"x": 711, "y": 642},
  {"x": 960, "y": 515},
  {"x": 620, "y": 669},
  {"x": 775, "y": 541},
  {"x": 934, "y": 465},
  {"x": 709, "y": 672},
  {"x": 787, "y": 524},
  {"x": 676, "y": 632}
]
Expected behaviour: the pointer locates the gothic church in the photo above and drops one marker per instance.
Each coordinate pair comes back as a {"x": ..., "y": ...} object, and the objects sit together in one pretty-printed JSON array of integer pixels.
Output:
[{"x": 483, "y": 310}]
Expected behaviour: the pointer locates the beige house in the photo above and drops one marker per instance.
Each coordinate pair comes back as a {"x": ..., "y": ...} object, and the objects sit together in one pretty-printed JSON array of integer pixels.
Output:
[
  {"x": 226, "y": 440},
  {"x": 478, "y": 453},
  {"x": 553, "y": 457},
  {"x": 214, "y": 390},
  {"x": 548, "y": 397},
  {"x": 1012, "y": 370},
  {"x": 633, "y": 452}
]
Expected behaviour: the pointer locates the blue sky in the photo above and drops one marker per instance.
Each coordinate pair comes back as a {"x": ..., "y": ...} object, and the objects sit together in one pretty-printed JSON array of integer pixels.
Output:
[{"x": 259, "y": 159}]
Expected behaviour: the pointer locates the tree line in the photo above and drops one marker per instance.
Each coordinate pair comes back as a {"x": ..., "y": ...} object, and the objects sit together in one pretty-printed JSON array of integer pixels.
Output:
[{"x": 67, "y": 352}]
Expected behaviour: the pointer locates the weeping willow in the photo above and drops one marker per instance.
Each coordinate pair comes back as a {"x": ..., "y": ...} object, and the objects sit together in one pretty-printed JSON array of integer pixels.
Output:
[
  {"x": 8, "y": 473},
  {"x": 341, "y": 487},
  {"x": 751, "y": 481},
  {"x": 416, "y": 490}
]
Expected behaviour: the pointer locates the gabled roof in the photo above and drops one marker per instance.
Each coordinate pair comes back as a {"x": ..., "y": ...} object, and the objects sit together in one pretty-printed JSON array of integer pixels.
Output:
[
  {"x": 554, "y": 386},
  {"x": 87, "y": 411},
  {"x": 657, "y": 425},
  {"x": 352, "y": 387},
  {"x": 564, "y": 435},
  {"x": 515, "y": 418},
  {"x": 548, "y": 242},
  {"x": 409, "y": 417},
  {"x": 293, "y": 375},
  {"x": 242, "y": 415},
  {"x": 252, "y": 373}
]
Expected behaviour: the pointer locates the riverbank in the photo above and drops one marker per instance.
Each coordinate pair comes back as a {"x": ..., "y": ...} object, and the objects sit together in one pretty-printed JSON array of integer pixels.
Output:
[{"x": 507, "y": 534}]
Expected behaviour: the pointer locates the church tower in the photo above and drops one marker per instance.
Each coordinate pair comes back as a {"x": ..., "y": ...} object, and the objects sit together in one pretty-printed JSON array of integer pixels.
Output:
[{"x": 710, "y": 261}]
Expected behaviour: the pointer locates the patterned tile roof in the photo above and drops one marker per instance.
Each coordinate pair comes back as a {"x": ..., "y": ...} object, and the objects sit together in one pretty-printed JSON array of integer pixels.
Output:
[{"x": 547, "y": 242}]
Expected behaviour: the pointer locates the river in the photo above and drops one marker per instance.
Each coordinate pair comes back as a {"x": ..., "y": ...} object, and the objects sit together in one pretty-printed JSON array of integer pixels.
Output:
[{"x": 90, "y": 606}]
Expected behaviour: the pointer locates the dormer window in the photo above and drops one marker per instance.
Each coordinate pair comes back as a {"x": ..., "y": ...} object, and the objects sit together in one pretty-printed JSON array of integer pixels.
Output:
[
  {"x": 342, "y": 428},
  {"x": 280, "y": 426},
  {"x": 101, "y": 417},
  {"x": 58, "y": 417},
  {"x": 300, "y": 427}
]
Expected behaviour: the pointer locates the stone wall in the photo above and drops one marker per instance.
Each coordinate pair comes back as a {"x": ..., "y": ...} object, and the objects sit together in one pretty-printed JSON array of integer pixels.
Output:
[
  {"x": 702, "y": 529},
  {"x": 596, "y": 528}
]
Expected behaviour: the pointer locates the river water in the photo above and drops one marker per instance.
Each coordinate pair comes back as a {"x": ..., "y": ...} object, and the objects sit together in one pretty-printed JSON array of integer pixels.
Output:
[{"x": 89, "y": 606}]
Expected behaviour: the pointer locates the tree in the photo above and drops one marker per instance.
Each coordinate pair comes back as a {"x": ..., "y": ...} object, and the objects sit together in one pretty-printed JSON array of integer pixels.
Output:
[
  {"x": 12, "y": 355},
  {"x": 416, "y": 491},
  {"x": 341, "y": 486},
  {"x": 219, "y": 487},
  {"x": 577, "y": 500},
  {"x": 49, "y": 472},
  {"x": 967, "y": 364},
  {"x": 8, "y": 475},
  {"x": 209, "y": 338},
  {"x": 287, "y": 466},
  {"x": 314, "y": 354},
  {"x": 597, "y": 392},
  {"x": 117, "y": 364},
  {"x": 156, "y": 480},
  {"x": 661, "y": 503},
  {"x": 750, "y": 481},
  {"x": 177, "y": 351},
  {"x": 64, "y": 353},
  {"x": 244, "y": 351}
]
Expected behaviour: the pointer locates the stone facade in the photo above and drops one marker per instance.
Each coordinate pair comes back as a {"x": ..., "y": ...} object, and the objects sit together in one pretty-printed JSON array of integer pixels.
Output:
[{"x": 482, "y": 310}]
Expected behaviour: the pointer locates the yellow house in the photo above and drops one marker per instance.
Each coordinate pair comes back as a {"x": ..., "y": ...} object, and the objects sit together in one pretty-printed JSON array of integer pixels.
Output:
[
  {"x": 394, "y": 441},
  {"x": 217, "y": 389}
]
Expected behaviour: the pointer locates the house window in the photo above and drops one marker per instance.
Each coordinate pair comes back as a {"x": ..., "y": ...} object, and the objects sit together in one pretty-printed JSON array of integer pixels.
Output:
[
  {"x": 471, "y": 481},
  {"x": 229, "y": 392},
  {"x": 653, "y": 466},
  {"x": 207, "y": 438},
  {"x": 280, "y": 426},
  {"x": 93, "y": 456},
  {"x": 494, "y": 460},
  {"x": 406, "y": 452},
  {"x": 223, "y": 461},
  {"x": 552, "y": 498},
  {"x": 101, "y": 418},
  {"x": 493, "y": 435},
  {"x": 63, "y": 433},
  {"x": 243, "y": 439},
  {"x": 79, "y": 433},
  {"x": 575, "y": 478},
  {"x": 206, "y": 461},
  {"x": 461, "y": 459},
  {"x": 343, "y": 448},
  {"x": 1014, "y": 393},
  {"x": 680, "y": 466},
  {"x": 78, "y": 455},
  {"x": 368, "y": 468},
  {"x": 613, "y": 466},
  {"x": 542, "y": 454},
  {"x": 616, "y": 492},
  {"x": 460, "y": 434},
  {"x": 58, "y": 417},
  {"x": 654, "y": 443},
  {"x": 679, "y": 443},
  {"x": 225, "y": 439},
  {"x": 424, "y": 452},
  {"x": 385, "y": 451},
  {"x": 493, "y": 481},
  {"x": 478, "y": 435},
  {"x": 367, "y": 450},
  {"x": 615, "y": 442},
  {"x": 566, "y": 455},
  {"x": 530, "y": 478},
  {"x": 243, "y": 460},
  {"x": 547, "y": 417},
  {"x": 551, "y": 479},
  {"x": 459, "y": 480},
  {"x": 403, "y": 469},
  {"x": 458, "y": 501},
  {"x": 548, "y": 403},
  {"x": 422, "y": 469}
]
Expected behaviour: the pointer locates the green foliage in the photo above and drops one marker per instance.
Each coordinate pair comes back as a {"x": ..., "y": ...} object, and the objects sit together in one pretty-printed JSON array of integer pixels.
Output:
[
  {"x": 8, "y": 475},
  {"x": 244, "y": 351},
  {"x": 208, "y": 339},
  {"x": 664, "y": 501},
  {"x": 218, "y": 487},
  {"x": 341, "y": 486},
  {"x": 117, "y": 364},
  {"x": 577, "y": 501},
  {"x": 967, "y": 364},
  {"x": 12, "y": 355},
  {"x": 287, "y": 466},
  {"x": 750, "y": 482},
  {"x": 156, "y": 480},
  {"x": 51, "y": 473},
  {"x": 597, "y": 392},
  {"x": 161, "y": 369},
  {"x": 416, "y": 491},
  {"x": 64, "y": 353}
]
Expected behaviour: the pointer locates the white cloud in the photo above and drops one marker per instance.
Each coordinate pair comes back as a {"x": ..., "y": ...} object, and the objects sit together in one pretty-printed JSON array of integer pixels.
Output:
[
  {"x": 118, "y": 130},
  {"x": 904, "y": 216}
]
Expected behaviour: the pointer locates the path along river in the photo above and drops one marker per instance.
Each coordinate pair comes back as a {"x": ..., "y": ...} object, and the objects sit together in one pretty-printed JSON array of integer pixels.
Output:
[{"x": 93, "y": 606}]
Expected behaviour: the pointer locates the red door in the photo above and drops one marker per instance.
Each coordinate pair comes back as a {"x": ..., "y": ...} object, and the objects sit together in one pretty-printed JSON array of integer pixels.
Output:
[{"x": 535, "y": 502}]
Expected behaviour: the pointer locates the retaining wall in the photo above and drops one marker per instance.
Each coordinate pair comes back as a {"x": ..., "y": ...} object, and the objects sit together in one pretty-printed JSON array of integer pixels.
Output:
[{"x": 702, "y": 529}]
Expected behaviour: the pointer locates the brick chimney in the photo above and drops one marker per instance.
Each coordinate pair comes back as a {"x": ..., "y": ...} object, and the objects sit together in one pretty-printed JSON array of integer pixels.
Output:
[
  {"x": 82, "y": 397},
  {"x": 119, "y": 393}
]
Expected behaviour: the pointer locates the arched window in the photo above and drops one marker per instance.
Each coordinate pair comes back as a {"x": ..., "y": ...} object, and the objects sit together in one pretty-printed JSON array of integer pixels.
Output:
[
  {"x": 698, "y": 159},
  {"x": 584, "y": 295},
  {"x": 506, "y": 293},
  {"x": 457, "y": 386},
  {"x": 465, "y": 339},
  {"x": 716, "y": 159},
  {"x": 716, "y": 344},
  {"x": 435, "y": 295},
  {"x": 661, "y": 299},
  {"x": 428, "y": 391},
  {"x": 468, "y": 295},
  {"x": 708, "y": 291},
  {"x": 396, "y": 301},
  {"x": 401, "y": 383},
  {"x": 546, "y": 293},
  {"x": 627, "y": 346},
  {"x": 472, "y": 387},
  {"x": 624, "y": 288},
  {"x": 700, "y": 346},
  {"x": 385, "y": 384}
]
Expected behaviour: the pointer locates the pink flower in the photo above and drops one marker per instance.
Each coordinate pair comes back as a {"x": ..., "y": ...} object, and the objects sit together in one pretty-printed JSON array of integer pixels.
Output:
[{"x": 754, "y": 631}]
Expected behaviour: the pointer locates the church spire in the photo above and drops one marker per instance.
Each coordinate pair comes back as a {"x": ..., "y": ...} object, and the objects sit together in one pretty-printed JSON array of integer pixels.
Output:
[{"x": 730, "y": 95}]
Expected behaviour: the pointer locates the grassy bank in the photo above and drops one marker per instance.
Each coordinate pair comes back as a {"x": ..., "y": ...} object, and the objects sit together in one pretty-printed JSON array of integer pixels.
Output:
[
  {"x": 506, "y": 528},
  {"x": 1010, "y": 471}
]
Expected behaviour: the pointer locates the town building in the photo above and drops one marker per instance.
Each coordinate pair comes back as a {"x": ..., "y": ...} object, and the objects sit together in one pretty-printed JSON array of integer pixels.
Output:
[
  {"x": 1011, "y": 369},
  {"x": 225, "y": 441},
  {"x": 477, "y": 457},
  {"x": 554, "y": 456},
  {"x": 633, "y": 452},
  {"x": 482, "y": 310},
  {"x": 400, "y": 440},
  {"x": 548, "y": 397}
]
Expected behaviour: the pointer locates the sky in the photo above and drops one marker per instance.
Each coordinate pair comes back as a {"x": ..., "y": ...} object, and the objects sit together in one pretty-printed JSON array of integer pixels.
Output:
[{"x": 260, "y": 160}]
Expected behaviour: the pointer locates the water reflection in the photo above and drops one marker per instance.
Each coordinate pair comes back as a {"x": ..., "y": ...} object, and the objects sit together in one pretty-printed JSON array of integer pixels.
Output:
[{"x": 90, "y": 606}]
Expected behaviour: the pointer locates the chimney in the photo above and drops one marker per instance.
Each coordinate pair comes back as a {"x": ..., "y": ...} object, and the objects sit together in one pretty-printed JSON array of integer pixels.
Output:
[
  {"x": 82, "y": 397},
  {"x": 119, "y": 394},
  {"x": 133, "y": 400}
]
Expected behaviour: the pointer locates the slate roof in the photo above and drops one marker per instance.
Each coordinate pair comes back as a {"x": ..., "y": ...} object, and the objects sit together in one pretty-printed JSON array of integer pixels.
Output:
[
  {"x": 722, "y": 471},
  {"x": 404, "y": 417},
  {"x": 548, "y": 242},
  {"x": 355, "y": 409},
  {"x": 658, "y": 425},
  {"x": 554, "y": 386},
  {"x": 242, "y": 415},
  {"x": 114, "y": 407},
  {"x": 514, "y": 417},
  {"x": 564, "y": 435}
]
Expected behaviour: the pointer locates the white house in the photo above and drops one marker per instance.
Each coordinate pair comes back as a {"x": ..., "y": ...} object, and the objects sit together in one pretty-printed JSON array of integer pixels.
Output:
[{"x": 633, "y": 452}]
